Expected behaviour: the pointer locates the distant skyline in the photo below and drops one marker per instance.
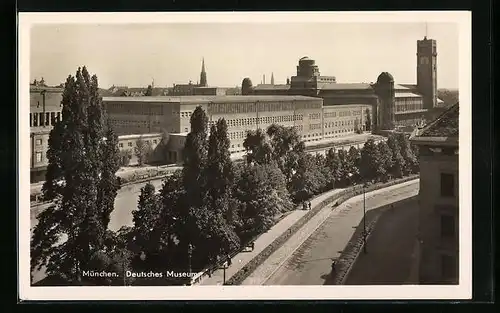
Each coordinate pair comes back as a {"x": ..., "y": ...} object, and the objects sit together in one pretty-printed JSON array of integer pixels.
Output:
[{"x": 136, "y": 54}]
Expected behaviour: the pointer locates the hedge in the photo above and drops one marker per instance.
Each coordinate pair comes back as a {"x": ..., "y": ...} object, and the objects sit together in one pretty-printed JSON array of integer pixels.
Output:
[{"x": 350, "y": 192}]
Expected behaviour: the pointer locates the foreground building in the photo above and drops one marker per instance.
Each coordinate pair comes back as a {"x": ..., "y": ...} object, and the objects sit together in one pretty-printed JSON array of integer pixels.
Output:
[{"x": 438, "y": 246}]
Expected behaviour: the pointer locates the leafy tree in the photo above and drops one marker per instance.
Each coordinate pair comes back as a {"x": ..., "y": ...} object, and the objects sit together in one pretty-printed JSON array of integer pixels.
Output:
[
  {"x": 149, "y": 91},
  {"x": 142, "y": 150},
  {"x": 257, "y": 205},
  {"x": 108, "y": 183},
  {"x": 398, "y": 164},
  {"x": 147, "y": 234},
  {"x": 344, "y": 173},
  {"x": 287, "y": 148},
  {"x": 385, "y": 159},
  {"x": 407, "y": 154},
  {"x": 220, "y": 179},
  {"x": 308, "y": 180},
  {"x": 368, "y": 122},
  {"x": 353, "y": 162},
  {"x": 257, "y": 147},
  {"x": 195, "y": 157},
  {"x": 125, "y": 157},
  {"x": 371, "y": 167},
  {"x": 332, "y": 163},
  {"x": 74, "y": 228}
]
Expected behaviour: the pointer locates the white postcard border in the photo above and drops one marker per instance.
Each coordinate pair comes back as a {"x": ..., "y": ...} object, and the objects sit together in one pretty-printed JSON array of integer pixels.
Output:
[{"x": 461, "y": 291}]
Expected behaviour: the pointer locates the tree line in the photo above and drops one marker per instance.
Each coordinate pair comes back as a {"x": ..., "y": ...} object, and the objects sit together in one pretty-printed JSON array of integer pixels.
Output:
[{"x": 202, "y": 213}]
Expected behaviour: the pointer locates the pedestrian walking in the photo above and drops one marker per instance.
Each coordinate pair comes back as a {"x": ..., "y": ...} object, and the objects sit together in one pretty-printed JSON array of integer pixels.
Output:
[
  {"x": 304, "y": 205},
  {"x": 228, "y": 260},
  {"x": 333, "y": 266},
  {"x": 309, "y": 205}
]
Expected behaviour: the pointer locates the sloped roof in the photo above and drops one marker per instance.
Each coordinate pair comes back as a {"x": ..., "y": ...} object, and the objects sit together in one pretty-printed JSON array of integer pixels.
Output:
[{"x": 446, "y": 125}]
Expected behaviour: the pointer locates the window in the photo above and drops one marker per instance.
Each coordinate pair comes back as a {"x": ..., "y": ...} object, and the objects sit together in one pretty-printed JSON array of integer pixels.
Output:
[
  {"x": 186, "y": 130},
  {"x": 448, "y": 268},
  {"x": 447, "y": 226},
  {"x": 39, "y": 157},
  {"x": 120, "y": 145},
  {"x": 130, "y": 144},
  {"x": 447, "y": 185},
  {"x": 38, "y": 142},
  {"x": 52, "y": 118},
  {"x": 154, "y": 141},
  {"x": 31, "y": 120}
]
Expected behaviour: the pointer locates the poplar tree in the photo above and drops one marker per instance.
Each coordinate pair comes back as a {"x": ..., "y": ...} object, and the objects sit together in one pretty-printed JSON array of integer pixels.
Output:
[
  {"x": 73, "y": 229},
  {"x": 146, "y": 217},
  {"x": 386, "y": 160}
]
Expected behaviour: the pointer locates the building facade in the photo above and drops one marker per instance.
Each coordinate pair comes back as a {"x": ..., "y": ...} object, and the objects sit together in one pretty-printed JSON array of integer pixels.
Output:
[
  {"x": 393, "y": 105},
  {"x": 171, "y": 115},
  {"x": 438, "y": 242}
]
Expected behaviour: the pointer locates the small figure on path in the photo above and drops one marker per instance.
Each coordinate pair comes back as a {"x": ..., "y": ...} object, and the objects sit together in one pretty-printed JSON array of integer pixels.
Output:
[
  {"x": 309, "y": 205},
  {"x": 228, "y": 260},
  {"x": 304, "y": 205},
  {"x": 252, "y": 245},
  {"x": 333, "y": 266}
]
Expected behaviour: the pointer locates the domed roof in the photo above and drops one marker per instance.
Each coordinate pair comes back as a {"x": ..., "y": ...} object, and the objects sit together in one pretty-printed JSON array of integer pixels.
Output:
[
  {"x": 385, "y": 77},
  {"x": 306, "y": 58},
  {"x": 246, "y": 81}
]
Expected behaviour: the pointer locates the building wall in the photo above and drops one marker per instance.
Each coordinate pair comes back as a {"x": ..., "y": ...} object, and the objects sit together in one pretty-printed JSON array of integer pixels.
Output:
[
  {"x": 343, "y": 120},
  {"x": 128, "y": 143},
  {"x": 245, "y": 116},
  {"x": 142, "y": 117},
  {"x": 438, "y": 252}
]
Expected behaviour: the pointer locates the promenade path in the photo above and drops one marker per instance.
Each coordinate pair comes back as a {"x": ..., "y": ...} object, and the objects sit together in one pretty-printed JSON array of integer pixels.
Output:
[
  {"x": 296, "y": 263},
  {"x": 264, "y": 240}
]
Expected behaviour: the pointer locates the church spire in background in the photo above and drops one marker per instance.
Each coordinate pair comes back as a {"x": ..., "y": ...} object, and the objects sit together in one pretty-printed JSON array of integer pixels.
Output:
[
  {"x": 272, "y": 78},
  {"x": 203, "y": 75}
]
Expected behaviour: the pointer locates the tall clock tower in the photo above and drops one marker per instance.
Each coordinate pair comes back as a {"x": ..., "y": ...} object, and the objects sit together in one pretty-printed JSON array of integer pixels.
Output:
[{"x": 427, "y": 71}]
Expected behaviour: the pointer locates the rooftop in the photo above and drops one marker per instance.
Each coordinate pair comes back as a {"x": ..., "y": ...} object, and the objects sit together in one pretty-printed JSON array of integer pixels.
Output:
[
  {"x": 207, "y": 99},
  {"x": 346, "y": 86},
  {"x": 446, "y": 125},
  {"x": 272, "y": 87}
]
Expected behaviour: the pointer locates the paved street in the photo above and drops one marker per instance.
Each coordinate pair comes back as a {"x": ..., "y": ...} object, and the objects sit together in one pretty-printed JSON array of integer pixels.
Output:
[
  {"x": 241, "y": 259},
  {"x": 308, "y": 262},
  {"x": 390, "y": 257}
]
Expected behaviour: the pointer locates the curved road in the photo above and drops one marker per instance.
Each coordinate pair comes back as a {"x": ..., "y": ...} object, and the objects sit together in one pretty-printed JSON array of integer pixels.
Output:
[{"x": 310, "y": 263}]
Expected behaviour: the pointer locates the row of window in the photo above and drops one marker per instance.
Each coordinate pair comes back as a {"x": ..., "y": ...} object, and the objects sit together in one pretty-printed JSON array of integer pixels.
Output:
[
  {"x": 135, "y": 108},
  {"x": 314, "y": 126},
  {"x": 49, "y": 119},
  {"x": 130, "y": 143},
  {"x": 222, "y": 108},
  {"x": 314, "y": 116},
  {"x": 403, "y": 107},
  {"x": 341, "y": 123},
  {"x": 344, "y": 113},
  {"x": 186, "y": 114},
  {"x": 251, "y": 121},
  {"x": 135, "y": 123}
]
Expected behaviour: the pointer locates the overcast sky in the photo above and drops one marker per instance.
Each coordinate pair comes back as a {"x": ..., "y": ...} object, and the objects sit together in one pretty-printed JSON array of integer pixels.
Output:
[{"x": 134, "y": 55}]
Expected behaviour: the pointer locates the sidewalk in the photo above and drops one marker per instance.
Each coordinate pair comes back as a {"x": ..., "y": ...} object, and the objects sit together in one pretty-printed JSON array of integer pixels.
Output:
[
  {"x": 344, "y": 215},
  {"x": 264, "y": 240}
]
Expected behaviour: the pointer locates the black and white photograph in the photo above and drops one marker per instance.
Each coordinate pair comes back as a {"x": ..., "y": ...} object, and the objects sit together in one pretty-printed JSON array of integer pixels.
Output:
[{"x": 315, "y": 154}]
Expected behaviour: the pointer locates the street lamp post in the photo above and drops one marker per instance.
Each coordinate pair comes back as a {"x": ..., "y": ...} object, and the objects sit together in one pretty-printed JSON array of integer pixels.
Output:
[
  {"x": 224, "y": 266},
  {"x": 364, "y": 218},
  {"x": 190, "y": 252}
]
